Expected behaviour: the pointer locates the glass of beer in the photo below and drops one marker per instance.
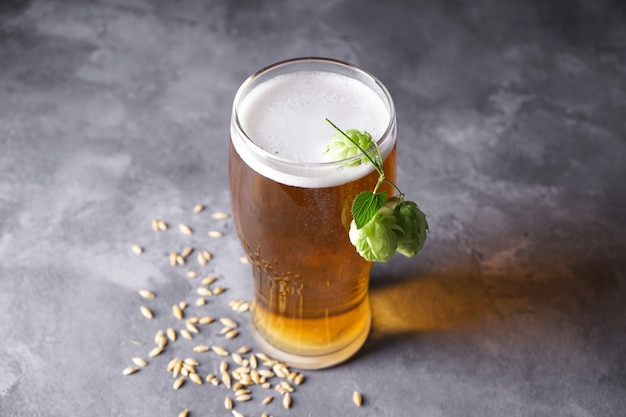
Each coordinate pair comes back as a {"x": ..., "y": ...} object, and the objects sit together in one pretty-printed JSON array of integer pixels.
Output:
[{"x": 291, "y": 204}]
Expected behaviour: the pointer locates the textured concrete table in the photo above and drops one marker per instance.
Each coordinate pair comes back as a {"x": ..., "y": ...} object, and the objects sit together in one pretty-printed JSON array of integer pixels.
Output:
[{"x": 512, "y": 135}]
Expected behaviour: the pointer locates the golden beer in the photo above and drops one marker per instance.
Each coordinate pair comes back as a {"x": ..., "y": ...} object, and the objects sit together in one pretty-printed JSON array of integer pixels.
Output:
[{"x": 292, "y": 208}]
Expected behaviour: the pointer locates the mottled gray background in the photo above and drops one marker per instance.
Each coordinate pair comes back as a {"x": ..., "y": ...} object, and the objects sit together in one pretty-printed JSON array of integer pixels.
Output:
[{"x": 512, "y": 129}]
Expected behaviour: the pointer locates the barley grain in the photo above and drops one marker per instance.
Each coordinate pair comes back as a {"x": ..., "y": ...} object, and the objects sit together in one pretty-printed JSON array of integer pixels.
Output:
[
  {"x": 200, "y": 302},
  {"x": 299, "y": 379},
  {"x": 244, "y": 349},
  {"x": 182, "y": 305},
  {"x": 184, "y": 413},
  {"x": 178, "y": 382},
  {"x": 237, "y": 414},
  {"x": 268, "y": 400},
  {"x": 208, "y": 280},
  {"x": 229, "y": 322},
  {"x": 244, "y": 260},
  {"x": 171, "y": 364},
  {"x": 162, "y": 225},
  {"x": 203, "y": 291},
  {"x": 173, "y": 258},
  {"x": 219, "y": 215},
  {"x": 155, "y": 352},
  {"x": 198, "y": 208},
  {"x": 287, "y": 401},
  {"x": 201, "y": 348},
  {"x": 243, "y": 398},
  {"x": 219, "y": 350},
  {"x": 226, "y": 379},
  {"x": 194, "y": 377},
  {"x": 146, "y": 294},
  {"x": 146, "y": 312},
  {"x": 177, "y": 311},
  {"x": 180, "y": 260},
  {"x": 186, "y": 230},
  {"x": 218, "y": 290},
  {"x": 192, "y": 274},
  {"x": 155, "y": 225},
  {"x": 186, "y": 334},
  {"x": 223, "y": 366},
  {"x": 231, "y": 334},
  {"x": 129, "y": 371},
  {"x": 140, "y": 361},
  {"x": 206, "y": 320},
  {"x": 186, "y": 251},
  {"x": 215, "y": 233},
  {"x": 228, "y": 403},
  {"x": 171, "y": 334},
  {"x": 191, "y": 327},
  {"x": 357, "y": 398}
]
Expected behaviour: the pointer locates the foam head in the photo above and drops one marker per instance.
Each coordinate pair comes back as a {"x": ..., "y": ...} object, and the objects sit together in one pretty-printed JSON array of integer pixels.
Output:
[{"x": 279, "y": 129}]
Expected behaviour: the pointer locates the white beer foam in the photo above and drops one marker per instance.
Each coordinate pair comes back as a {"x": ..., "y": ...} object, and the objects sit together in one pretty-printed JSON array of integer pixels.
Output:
[{"x": 285, "y": 117}]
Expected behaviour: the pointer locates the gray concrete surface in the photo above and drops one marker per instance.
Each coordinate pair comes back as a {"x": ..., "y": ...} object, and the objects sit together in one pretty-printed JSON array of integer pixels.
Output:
[{"x": 512, "y": 134}]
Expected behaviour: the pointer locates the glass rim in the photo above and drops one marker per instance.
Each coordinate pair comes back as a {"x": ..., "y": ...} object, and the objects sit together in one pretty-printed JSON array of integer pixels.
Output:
[{"x": 259, "y": 151}]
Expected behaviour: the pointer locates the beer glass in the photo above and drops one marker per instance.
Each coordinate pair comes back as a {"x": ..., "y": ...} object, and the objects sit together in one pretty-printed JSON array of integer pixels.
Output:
[{"x": 291, "y": 204}]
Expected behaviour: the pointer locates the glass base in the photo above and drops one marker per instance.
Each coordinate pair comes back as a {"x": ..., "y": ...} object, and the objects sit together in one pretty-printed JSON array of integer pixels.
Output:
[{"x": 314, "y": 361}]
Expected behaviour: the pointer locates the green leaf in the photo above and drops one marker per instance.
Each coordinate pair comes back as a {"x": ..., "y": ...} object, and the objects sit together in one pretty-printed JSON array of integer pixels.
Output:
[{"x": 366, "y": 205}]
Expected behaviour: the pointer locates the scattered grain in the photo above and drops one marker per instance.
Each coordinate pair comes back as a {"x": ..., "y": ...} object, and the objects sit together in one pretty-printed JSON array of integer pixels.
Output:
[
  {"x": 228, "y": 322},
  {"x": 146, "y": 294},
  {"x": 194, "y": 377},
  {"x": 198, "y": 208},
  {"x": 162, "y": 225},
  {"x": 155, "y": 352},
  {"x": 183, "y": 413},
  {"x": 173, "y": 258},
  {"x": 146, "y": 312},
  {"x": 231, "y": 334},
  {"x": 287, "y": 401},
  {"x": 191, "y": 327},
  {"x": 178, "y": 382},
  {"x": 186, "y": 334},
  {"x": 200, "y": 301},
  {"x": 215, "y": 233},
  {"x": 185, "y": 229},
  {"x": 218, "y": 290},
  {"x": 219, "y": 350},
  {"x": 201, "y": 348},
  {"x": 228, "y": 403},
  {"x": 137, "y": 249},
  {"x": 237, "y": 414},
  {"x": 219, "y": 215},
  {"x": 177, "y": 311},
  {"x": 171, "y": 334},
  {"x": 186, "y": 251},
  {"x": 268, "y": 400},
  {"x": 203, "y": 291},
  {"x": 208, "y": 280},
  {"x": 130, "y": 370},
  {"x": 206, "y": 320},
  {"x": 357, "y": 398},
  {"x": 140, "y": 361},
  {"x": 244, "y": 260},
  {"x": 192, "y": 274}
]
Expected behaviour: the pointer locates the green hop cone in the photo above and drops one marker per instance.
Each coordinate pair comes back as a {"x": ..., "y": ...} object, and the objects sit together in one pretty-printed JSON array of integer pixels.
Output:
[
  {"x": 411, "y": 226},
  {"x": 341, "y": 147},
  {"x": 376, "y": 241}
]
